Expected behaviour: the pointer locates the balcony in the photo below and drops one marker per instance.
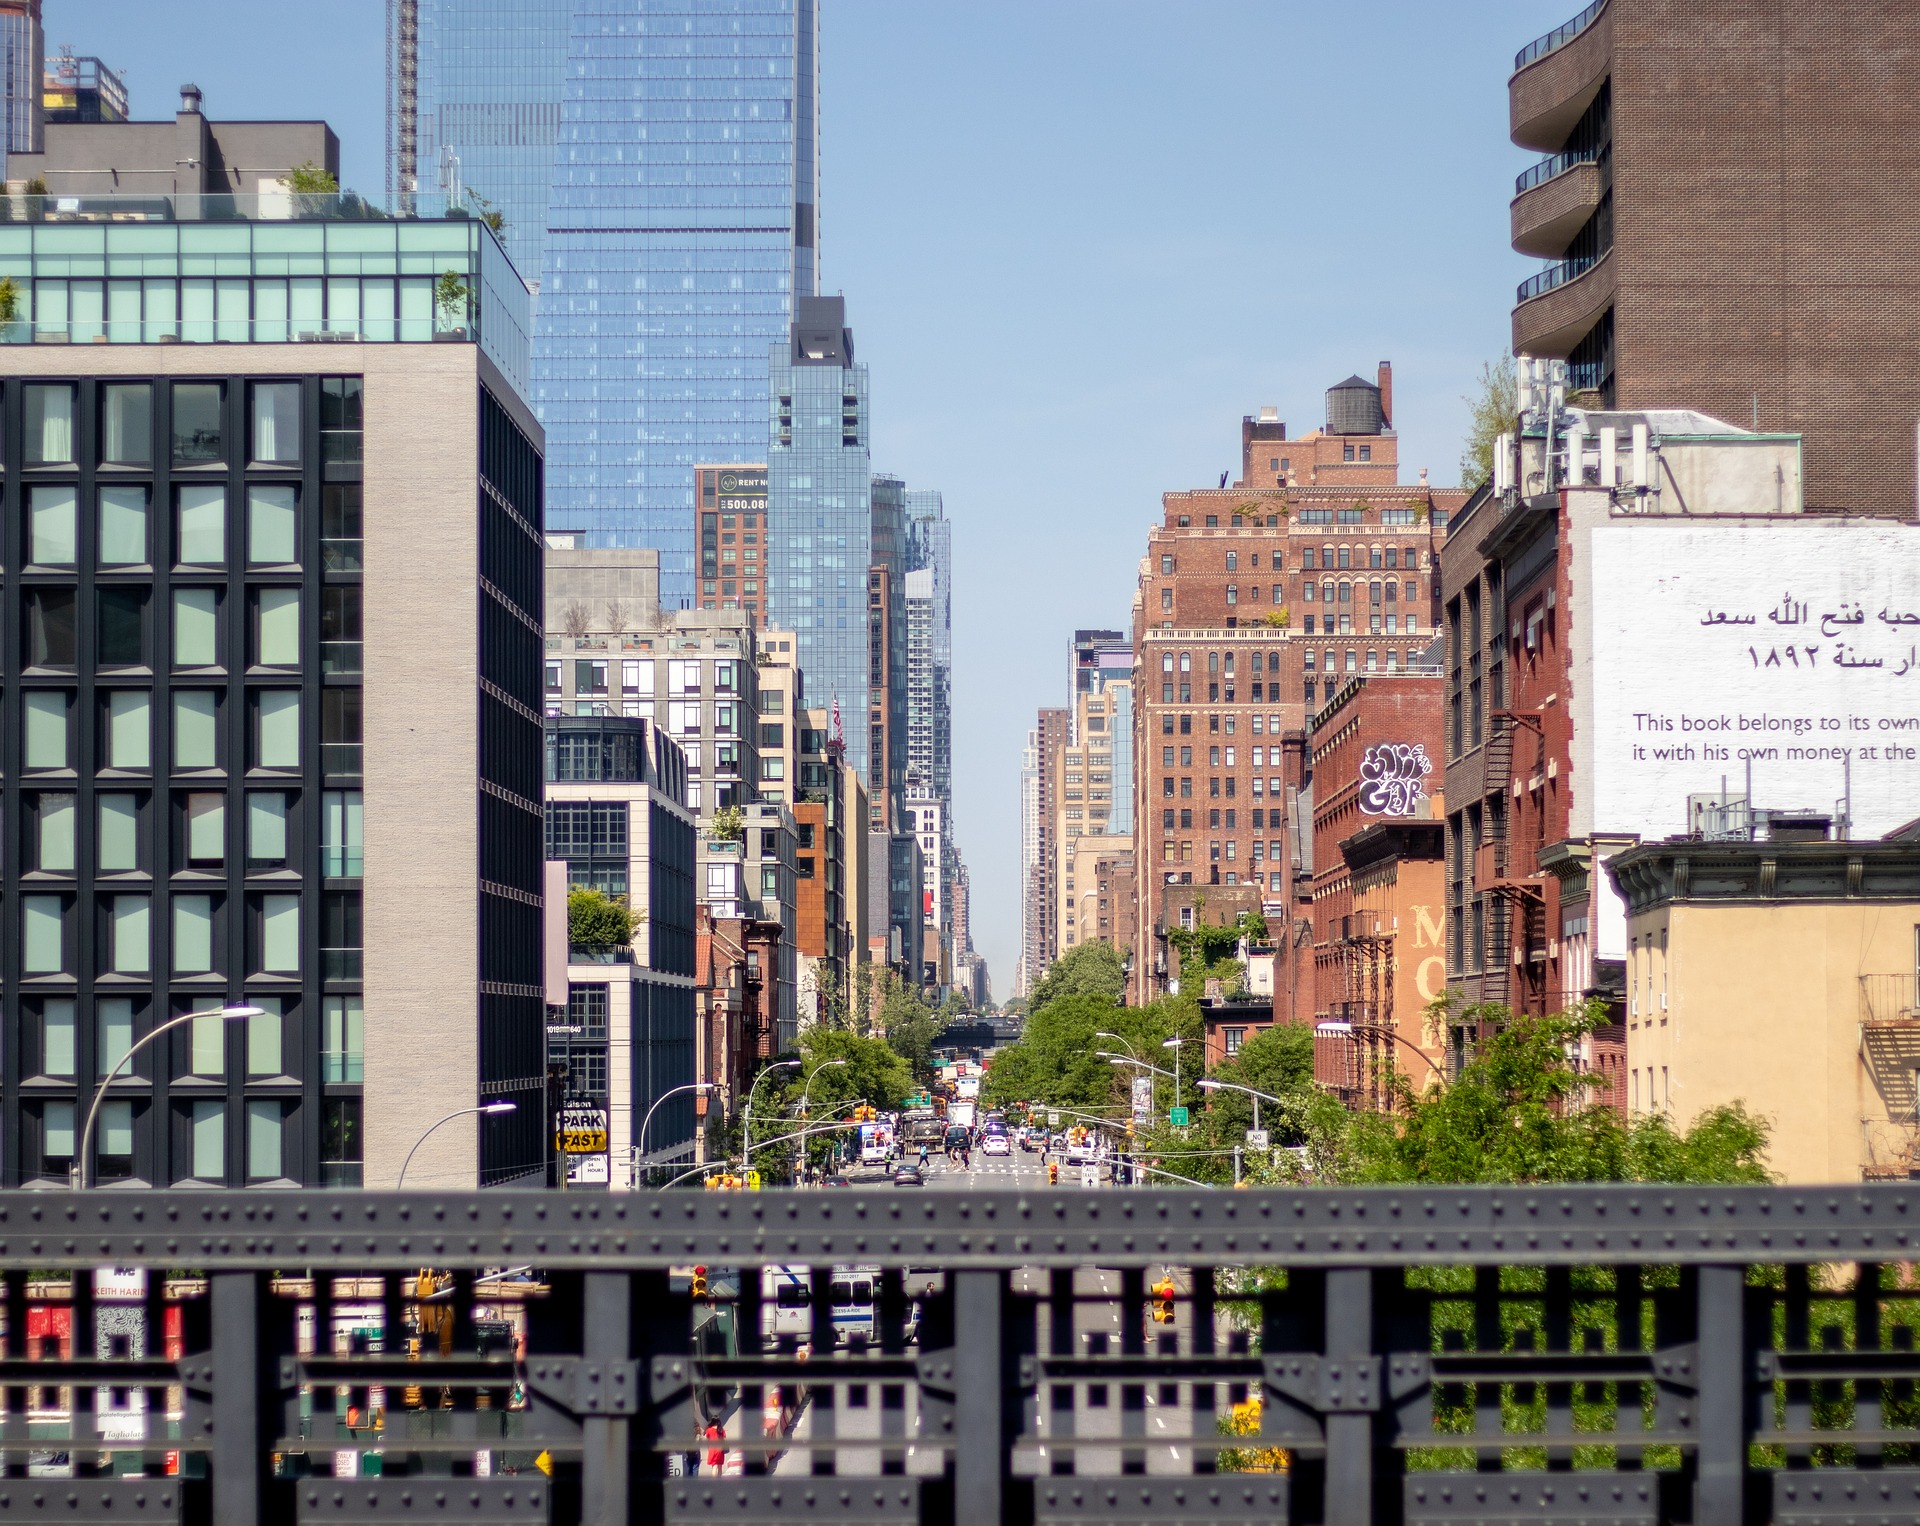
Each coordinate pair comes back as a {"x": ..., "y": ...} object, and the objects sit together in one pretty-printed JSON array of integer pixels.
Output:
[
  {"x": 342, "y": 1067},
  {"x": 1558, "y": 307},
  {"x": 1553, "y": 201},
  {"x": 1556, "y": 77},
  {"x": 342, "y": 964},
  {"x": 600, "y": 953}
]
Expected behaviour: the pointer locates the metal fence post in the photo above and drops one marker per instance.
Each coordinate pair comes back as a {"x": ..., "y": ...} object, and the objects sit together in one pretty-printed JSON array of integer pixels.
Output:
[
  {"x": 979, "y": 1398},
  {"x": 1720, "y": 1328},
  {"x": 242, "y": 1419},
  {"x": 1349, "y": 1340},
  {"x": 607, "y": 1337}
]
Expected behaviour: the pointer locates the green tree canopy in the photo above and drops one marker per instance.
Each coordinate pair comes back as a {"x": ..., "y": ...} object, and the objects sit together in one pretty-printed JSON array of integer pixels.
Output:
[
  {"x": 1092, "y": 969},
  {"x": 593, "y": 917},
  {"x": 1494, "y": 410}
]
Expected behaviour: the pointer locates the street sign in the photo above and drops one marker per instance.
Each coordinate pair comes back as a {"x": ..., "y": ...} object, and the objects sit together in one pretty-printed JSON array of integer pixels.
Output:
[
  {"x": 1143, "y": 1100},
  {"x": 1089, "y": 1175},
  {"x": 1177, "y": 1117},
  {"x": 1053, "y": 1118},
  {"x": 1257, "y": 1139},
  {"x": 581, "y": 1129}
]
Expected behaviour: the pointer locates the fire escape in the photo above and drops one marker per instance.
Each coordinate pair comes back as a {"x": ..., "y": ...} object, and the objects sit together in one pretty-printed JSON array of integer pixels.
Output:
[
  {"x": 1366, "y": 965},
  {"x": 1508, "y": 871},
  {"x": 1890, "y": 1050}
]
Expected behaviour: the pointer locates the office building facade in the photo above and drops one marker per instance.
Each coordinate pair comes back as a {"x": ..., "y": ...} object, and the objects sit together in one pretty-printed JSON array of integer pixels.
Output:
[{"x": 23, "y": 51}]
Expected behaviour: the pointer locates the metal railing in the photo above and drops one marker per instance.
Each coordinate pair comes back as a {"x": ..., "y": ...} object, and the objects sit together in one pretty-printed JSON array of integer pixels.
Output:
[
  {"x": 1559, "y": 37},
  {"x": 1555, "y": 275},
  {"x": 1551, "y": 167},
  {"x": 1409, "y": 1354}
]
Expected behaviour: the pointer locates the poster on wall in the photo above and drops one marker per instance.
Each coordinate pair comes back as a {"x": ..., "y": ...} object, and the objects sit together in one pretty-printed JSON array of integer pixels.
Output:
[{"x": 1789, "y": 655}]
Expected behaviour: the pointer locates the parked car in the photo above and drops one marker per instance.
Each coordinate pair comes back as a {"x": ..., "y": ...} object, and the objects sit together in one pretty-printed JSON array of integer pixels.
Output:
[{"x": 908, "y": 1176}]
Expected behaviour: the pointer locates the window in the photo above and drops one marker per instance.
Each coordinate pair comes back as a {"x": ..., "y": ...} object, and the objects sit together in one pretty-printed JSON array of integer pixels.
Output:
[
  {"x": 123, "y": 526},
  {"x": 277, "y": 728},
  {"x": 1233, "y": 593},
  {"x": 276, "y": 423},
  {"x": 43, "y": 930},
  {"x": 342, "y": 418},
  {"x": 128, "y": 942},
  {"x": 271, "y": 540},
  {"x": 121, "y": 614},
  {"x": 1166, "y": 565},
  {"x": 1166, "y": 599},
  {"x": 205, "y": 817},
  {"x": 52, "y": 819},
  {"x": 51, "y": 639},
  {"x": 192, "y": 934},
  {"x": 128, "y": 729},
  {"x": 195, "y": 729},
  {"x": 1346, "y": 453},
  {"x": 49, "y": 425},
  {"x": 276, "y": 628},
  {"x": 280, "y": 934},
  {"x": 1233, "y": 561},
  {"x": 263, "y": 1140},
  {"x": 207, "y": 1152},
  {"x": 343, "y": 1045},
  {"x": 126, "y": 424},
  {"x": 119, "y": 833},
  {"x": 113, "y": 1032},
  {"x": 196, "y": 627},
  {"x": 200, "y": 510},
  {"x": 51, "y": 529},
  {"x": 57, "y": 1036},
  {"x": 58, "y": 1131}
]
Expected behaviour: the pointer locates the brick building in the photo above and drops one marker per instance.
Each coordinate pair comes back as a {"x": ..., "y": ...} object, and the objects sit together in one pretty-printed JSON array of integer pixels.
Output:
[
  {"x": 1378, "y": 887},
  {"x": 1728, "y": 229},
  {"x": 1254, "y": 604},
  {"x": 1040, "y": 789}
]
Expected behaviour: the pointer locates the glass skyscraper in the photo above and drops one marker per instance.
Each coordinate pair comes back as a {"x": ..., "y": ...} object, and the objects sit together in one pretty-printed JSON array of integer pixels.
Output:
[
  {"x": 488, "y": 94},
  {"x": 676, "y": 223},
  {"x": 820, "y": 515}
]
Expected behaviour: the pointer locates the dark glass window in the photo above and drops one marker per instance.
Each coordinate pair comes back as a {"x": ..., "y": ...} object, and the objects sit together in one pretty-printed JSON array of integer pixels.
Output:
[
  {"x": 341, "y": 419},
  {"x": 196, "y": 422},
  {"x": 122, "y": 627},
  {"x": 126, "y": 424},
  {"x": 50, "y": 637}
]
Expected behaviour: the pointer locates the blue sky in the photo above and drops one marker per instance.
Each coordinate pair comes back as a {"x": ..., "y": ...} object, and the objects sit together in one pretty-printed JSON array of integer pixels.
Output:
[{"x": 1077, "y": 241}]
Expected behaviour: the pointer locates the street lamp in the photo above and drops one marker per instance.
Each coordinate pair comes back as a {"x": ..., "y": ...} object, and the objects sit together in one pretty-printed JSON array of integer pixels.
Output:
[
  {"x": 77, "y": 1173},
  {"x": 485, "y": 1109},
  {"x": 806, "y": 1092},
  {"x": 1102, "y": 1033},
  {"x": 1338, "y": 1028},
  {"x": 640, "y": 1143},
  {"x": 1234, "y": 1086},
  {"x": 1174, "y": 1045},
  {"x": 746, "y": 1131}
]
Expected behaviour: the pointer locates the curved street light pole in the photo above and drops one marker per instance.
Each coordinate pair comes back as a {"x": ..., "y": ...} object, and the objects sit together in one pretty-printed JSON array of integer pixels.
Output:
[
  {"x": 77, "y": 1173},
  {"x": 485, "y": 1109},
  {"x": 1352, "y": 1031},
  {"x": 640, "y": 1141},
  {"x": 1233, "y": 1086},
  {"x": 746, "y": 1128},
  {"x": 1101, "y": 1033}
]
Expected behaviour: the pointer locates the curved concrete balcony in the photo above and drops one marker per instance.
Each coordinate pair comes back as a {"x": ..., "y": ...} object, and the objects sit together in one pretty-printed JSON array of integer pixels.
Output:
[
  {"x": 1556, "y": 77},
  {"x": 1556, "y": 308},
  {"x": 1556, "y": 198}
]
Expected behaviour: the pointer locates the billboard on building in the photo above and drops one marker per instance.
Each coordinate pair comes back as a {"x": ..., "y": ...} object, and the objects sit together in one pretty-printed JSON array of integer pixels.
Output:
[{"x": 1789, "y": 654}]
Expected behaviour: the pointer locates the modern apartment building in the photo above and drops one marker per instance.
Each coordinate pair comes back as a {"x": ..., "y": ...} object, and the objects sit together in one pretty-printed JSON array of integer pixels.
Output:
[
  {"x": 1042, "y": 772},
  {"x": 1090, "y": 827},
  {"x": 732, "y": 537},
  {"x": 1702, "y": 165},
  {"x": 622, "y": 144},
  {"x": 617, "y": 818},
  {"x": 239, "y": 771},
  {"x": 782, "y": 715},
  {"x": 819, "y": 518},
  {"x": 828, "y": 867}
]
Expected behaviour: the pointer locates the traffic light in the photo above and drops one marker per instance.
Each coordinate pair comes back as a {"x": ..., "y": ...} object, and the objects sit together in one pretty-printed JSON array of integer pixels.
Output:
[
  {"x": 1163, "y": 1301},
  {"x": 699, "y": 1287},
  {"x": 1053, "y": 1173}
]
